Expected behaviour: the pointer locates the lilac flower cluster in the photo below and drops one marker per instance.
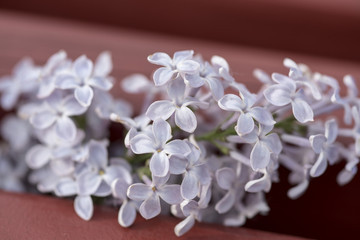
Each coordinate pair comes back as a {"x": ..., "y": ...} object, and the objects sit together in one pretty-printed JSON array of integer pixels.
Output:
[{"x": 202, "y": 143}]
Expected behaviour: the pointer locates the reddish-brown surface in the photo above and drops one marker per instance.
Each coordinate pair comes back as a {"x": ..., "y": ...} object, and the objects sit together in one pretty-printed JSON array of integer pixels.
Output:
[
  {"x": 40, "y": 217},
  {"x": 325, "y": 211},
  {"x": 326, "y": 27}
]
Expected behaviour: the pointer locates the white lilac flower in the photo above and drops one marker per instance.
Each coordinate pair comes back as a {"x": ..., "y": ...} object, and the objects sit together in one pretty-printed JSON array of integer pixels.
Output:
[
  {"x": 350, "y": 169},
  {"x": 255, "y": 184},
  {"x": 160, "y": 146},
  {"x": 251, "y": 205},
  {"x": 83, "y": 203},
  {"x": 324, "y": 146},
  {"x": 228, "y": 180},
  {"x": 84, "y": 76},
  {"x": 151, "y": 193},
  {"x": 190, "y": 210},
  {"x": 194, "y": 170},
  {"x": 44, "y": 179},
  {"x": 245, "y": 123},
  {"x": 138, "y": 124},
  {"x": 139, "y": 83},
  {"x": 180, "y": 64},
  {"x": 57, "y": 112},
  {"x": 98, "y": 177},
  {"x": 22, "y": 81},
  {"x": 206, "y": 75},
  {"x": 264, "y": 145},
  {"x": 53, "y": 150},
  {"x": 104, "y": 105},
  {"x": 10, "y": 179},
  {"x": 298, "y": 161},
  {"x": 222, "y": 68},
  {"x": 55, "y": 64},
  {"x": 127, "y": 211},
  {"x": 298, "y": 73},
  {"x": 185, "y": 119},
  {"x": 284, "y": 93},
  {"x": 16, "y": 131}
]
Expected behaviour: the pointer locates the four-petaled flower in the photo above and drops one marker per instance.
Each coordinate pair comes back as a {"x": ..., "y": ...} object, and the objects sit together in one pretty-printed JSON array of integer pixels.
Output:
[
  {"x": 84, "y": 76},
  {"x": 158, "y": 144},
  {"x": 151, "y": 192}
]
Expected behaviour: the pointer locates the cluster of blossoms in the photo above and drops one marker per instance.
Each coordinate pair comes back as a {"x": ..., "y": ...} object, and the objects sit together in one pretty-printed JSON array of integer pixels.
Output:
[{"x": 209, "y": 147}]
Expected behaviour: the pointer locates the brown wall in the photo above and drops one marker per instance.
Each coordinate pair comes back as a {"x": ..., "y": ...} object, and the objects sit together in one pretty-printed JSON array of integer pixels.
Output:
[{"x": 321, "y": 27}]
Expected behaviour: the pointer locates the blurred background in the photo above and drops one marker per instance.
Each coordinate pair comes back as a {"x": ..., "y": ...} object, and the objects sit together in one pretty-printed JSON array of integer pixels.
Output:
[
  {"x": 318, "y": 28},
  {"x": 329, "y": 28}
]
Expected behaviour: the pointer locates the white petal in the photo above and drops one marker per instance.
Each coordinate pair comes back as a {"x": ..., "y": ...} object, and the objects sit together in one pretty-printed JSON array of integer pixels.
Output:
[
  {"x": 225, "y": 177},
  {"x": 142, "y": 143},
  {"x": 182, "y": 55},
  {"x": 127, "y": 214},
  {"x": 98, "y": 155},
  {"x": 66, "y": 187},
  {"x": 262, "y": 76},
  {"x": 226, "y": 203},
  {"x": 344, "y": 177},
  {"x": 189, "y": 186},
  {"x": 245, "y": 124},
  {"x": 84, "y": 95},
  {"x": 216, "y": 88},
  {"x": 62, "y": 167},
  {"x": 103, "y": 64},
  {"x": 317, "y": 142},
  {"x": 185, "y": 119},
  {"x": 188, "y": 66},
  {"x": 194, "y": 80},
  {"x": 170, "y": 194},
  {"x": 163, "y": 75},
  {"x": 150, "y": 208},
  {"x": 159, "y": 164},
  {"x": 135, "y": 83},
  {"x": 66, "y": 81},
  {"x": 116, "y": 172},
  {"x": 103, "y": 190},
  {"x": 177, "y": 165},
  {"x": 160, "y": 109},
  {"x": 258, "y": 185},
  {"x": 298, "y": 190},
  {"x": 184, "y": 226},
  {"x": 260, "y": 156},
  {"x": 71, "y": 107},
  {"x": 273, "y": 142},
  {"x": 160, "y": 181},
  {"x": 203, "y": 174},
  {"x": 231, "y": 102},
  {"x": 302, "y": 111},
  {"x": 331, "y": 130},
  {"x": 100, "y": 82},
  {"x": 119, "y": 188},
  {"x": 277, "y": 95},
  {"x": 160, "y": 58},
  {"x": 319, "y": 166},
  {"x": 84, "y": 207},
  {"x": 177, "y": 147},
  {"x": 38, "y": 156},
  {"x": 65, "y": 128},
  {"x": 83, "y": 67},
  {"x": 262, "y": 115},
  {"x": 43, "y": 119},
  {"x": 139, "y": 191},
  {"x": 220, "y": 62},
  {"x": 161, "y": 131},
  {"x": 285, "y": 81},
  {"x": 88, "y": 183}
]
